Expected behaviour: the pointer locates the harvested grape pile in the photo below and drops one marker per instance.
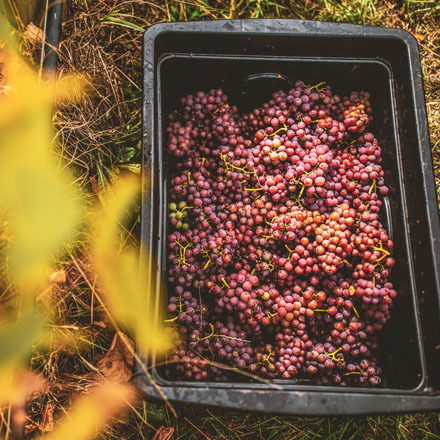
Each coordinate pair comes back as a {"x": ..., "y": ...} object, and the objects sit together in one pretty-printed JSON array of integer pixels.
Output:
[{"x": 278, "y": 263}]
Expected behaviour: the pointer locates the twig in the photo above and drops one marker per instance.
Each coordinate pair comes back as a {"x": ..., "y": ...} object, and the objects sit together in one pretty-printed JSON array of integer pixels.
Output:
[{"x": 194, "y": 426}]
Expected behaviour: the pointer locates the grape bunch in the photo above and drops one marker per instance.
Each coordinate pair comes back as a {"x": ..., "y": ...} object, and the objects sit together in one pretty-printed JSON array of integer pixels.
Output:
[{"x": 277, "y": 260}]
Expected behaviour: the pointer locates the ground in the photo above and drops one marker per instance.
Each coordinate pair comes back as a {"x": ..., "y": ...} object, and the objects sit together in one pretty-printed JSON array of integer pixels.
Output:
[{"x": 103, "y": 40}]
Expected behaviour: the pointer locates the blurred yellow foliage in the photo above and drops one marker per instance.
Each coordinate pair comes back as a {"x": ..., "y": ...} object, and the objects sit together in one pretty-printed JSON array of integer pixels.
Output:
[
  {"x": 16, "y": 337},
  {"x": 126, "y": 288},
  {"x": 41, "y": 209},
  {"x": 90, "y": 412},
  {"x": 17, "y": 384},
  {"x": 41, "y": 203}
]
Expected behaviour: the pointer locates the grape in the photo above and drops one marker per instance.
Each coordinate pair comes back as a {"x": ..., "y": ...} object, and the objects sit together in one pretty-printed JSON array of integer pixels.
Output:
[{"x": 277, "y": 259}]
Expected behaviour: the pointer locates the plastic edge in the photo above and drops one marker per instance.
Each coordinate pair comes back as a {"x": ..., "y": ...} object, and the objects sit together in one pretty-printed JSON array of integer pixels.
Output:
[{"x": 293, "y": 402}]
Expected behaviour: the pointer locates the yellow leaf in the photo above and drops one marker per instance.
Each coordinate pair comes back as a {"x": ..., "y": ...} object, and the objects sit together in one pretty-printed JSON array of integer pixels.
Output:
[
  {"x": 16, "y": 384},
  {"x": 58, "y": 276},
  {"x": 16, "y": 338},
  {"x": 71, "y": 88},
  {"x": 117, "y": 364},
  {"x": 46, "y": 423},
  {"x": 91, "y": 412},
  {"x": 44, "y": 212},
  {"x": 41, "y": 202},
  {"x": 125, "y": 286},
  {"x": 34, "y": 34}
]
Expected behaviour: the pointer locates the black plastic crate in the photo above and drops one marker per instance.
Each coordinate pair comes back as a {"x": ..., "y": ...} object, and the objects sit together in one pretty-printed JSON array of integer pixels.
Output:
[{"x": 250, "y": 59}]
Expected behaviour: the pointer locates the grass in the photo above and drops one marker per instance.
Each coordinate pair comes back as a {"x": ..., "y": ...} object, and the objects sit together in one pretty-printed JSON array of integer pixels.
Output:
[{"x": 101, "y": 136}]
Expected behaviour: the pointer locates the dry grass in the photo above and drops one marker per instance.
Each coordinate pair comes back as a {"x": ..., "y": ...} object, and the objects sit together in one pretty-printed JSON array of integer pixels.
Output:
[{"x": 103, "y": 41}]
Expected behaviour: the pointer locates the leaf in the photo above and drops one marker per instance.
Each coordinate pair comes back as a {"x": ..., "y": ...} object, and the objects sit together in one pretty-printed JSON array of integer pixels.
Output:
[
  {"x": 30, "y": 427},
  {"x": 45, "y": 214},
  {"x": 164, "y": 433},
  {"x": 114, "y": 20},
  {"x": 134, "y": 168},
  {"x": 91, "y": 412},
  {"x": 126, "y": 154},
  {"x": 126, "y": 288},
  {"x": 155, "y": 413},
  {"x": 34, "y": 34},
  {"x": 71, "y": 88},
  {"x": 58, "y": 277},
  {"x": 16, "y": 339},
  {"x": 41, "y": 202},
  {"x": 420, "y": 37},
  {"x": 46, "y": 424},
  {"x": 117, "y": 364}
]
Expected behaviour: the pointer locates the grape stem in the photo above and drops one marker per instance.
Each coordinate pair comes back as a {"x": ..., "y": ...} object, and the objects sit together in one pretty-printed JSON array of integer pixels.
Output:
[
  {"x": 333, "y": 357},
  {"x": 355, "y": 311},
  {"x": 372, "y": 187},
  {"x": 213, "y": 333},
  {"x": 284, "y": 128},
  {"x": 318, "y": 87},
  {"x": 225, "y": 283}
]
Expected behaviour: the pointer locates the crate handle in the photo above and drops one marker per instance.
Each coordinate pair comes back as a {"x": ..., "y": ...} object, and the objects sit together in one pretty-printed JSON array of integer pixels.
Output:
[{"x": 268, "y": 75}]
